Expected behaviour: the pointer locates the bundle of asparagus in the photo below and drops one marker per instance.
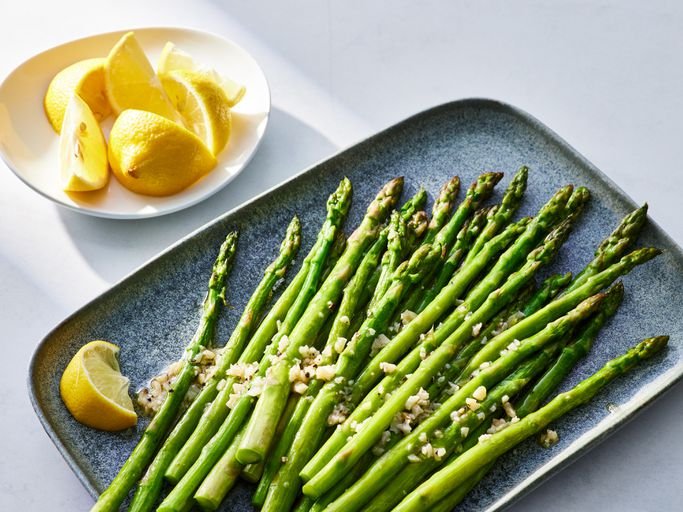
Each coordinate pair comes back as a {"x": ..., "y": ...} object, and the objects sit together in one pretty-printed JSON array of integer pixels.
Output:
[{"x": 397, "y": 365}]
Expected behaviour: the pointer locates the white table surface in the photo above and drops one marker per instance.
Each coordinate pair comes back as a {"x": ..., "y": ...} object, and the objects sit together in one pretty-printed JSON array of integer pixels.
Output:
[{"x": 605, "y": 75}]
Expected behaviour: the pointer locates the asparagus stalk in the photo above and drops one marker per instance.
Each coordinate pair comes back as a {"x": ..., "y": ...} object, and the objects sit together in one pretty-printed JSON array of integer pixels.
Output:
[
  {"x": 512, "y": 198},
  {"x": 479, "y": 191},
  {"x": 548, "y": 215},
  {"x": 614, "y": 246},
  {"x": 351, "y": 301},
  {"x": 253, "y": 473},
  {"x": 526, "y": 304},
  {"x": 394, "y": 474},
  {"x": 196, "y": 432},
  {"x": 337, "y": 249},
  {"x": 441, "y": 210},
  {"x": 548, "y": 291},
  {"x": 414, "y": 204},
  {"x": 221, "y": 479},
  {"x": 321, "y": 408},
  {"x": 225, "y": 472},
  {"x": 131, "y": 471},
  {"x": 585, "y": 338},
  {"x": 340, "y": 330},
  {"x": 150, "y": 486},
  {"x": 620, "y": 239},
  {"x": 372, "y": 429},
  {"x": 284, "y": 488},
  {"x": 434, "y": 362},
  {"x": 497, "y": 218},
  {"x": 463, "y": 243},
  {"x": 572, "y": 353},
  {"x": 259, "y": 433},
  {"x": 396, "y": 241},
  {"x": 313, "y": 317},
  {"x": 465, "y": 466},
  {"x": 417, "y": 227},
  {"x": 591, "y": 285}
]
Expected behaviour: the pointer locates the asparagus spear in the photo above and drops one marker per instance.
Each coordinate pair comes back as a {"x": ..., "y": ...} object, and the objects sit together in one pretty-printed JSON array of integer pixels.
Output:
[
  {"x": 340, "y": 330},
  {"x": 497, "y": 218},
  {"x": 295, "y": 301},
  {"x": 512, "y": 198},
  {"x": 320, "y": 409},
  {"x": 548, "y": 215},
  {"x": 414, "y": 204},
  {"x": 253, "y": 473},
  {"x": 383, "y": 473},
  {"x": 394, "y": 474},
  {"x": 383, "y": 416},
  {"x": 463, "y": 242},
  {"x": 456, "y": 473},
  {"x": 417, "y": 227},
  {"x": 572, "y": 353},
  {"x": 224, "y": 473},
  {"x": 372, "y": 429},
  {"x": 308, "y": 325},
  {"x": 151, "y": 484},
  {"x": 283, "y": 491},
  {"x": 551, "y": 287},
  {"x": 222, "y": 477},
  {"x": 611, "y": 248},
  {"x": 526, "y": 304},
  {"x": 128, "y": 475},
  {"x": 614, "y": 246},
  {"x": 443, "y": 205},
  {"x": 594, "y": 283},
  {"x": 479, "y": 191},
  {"x": 337, "y": 249},
  {"x": 259, "y": 433},
  {"x": 611, "y": 303},
  {"x": 396, "y": 241}
]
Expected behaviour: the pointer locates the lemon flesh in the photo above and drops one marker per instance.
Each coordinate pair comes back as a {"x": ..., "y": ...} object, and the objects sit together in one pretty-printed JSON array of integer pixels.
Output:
[
  {"x": 151, "y": 155},
  {"x": 131, "y": 82},
  {"x": 202, "y": 104},
  {"x": 174, "y": 59},
  {"x": 94, "y": 391},
  {"x": 82, "y": 149},
  {"x": 85, "y": 78}
]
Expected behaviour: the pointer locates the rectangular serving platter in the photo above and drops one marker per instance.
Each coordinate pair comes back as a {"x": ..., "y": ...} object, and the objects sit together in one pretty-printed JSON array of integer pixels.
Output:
[{"x": 152, "y": 312}]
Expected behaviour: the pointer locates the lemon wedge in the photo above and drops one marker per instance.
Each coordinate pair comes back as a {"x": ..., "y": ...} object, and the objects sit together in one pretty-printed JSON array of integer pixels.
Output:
[
  {"x": 202, "y": 104},
  {"x": 82, "y": 149},
  {"x": 131, "y": 82},
  {"x": 174, "y": 59},
  {"x": 94, "y": 391},
  {"x": 154, "y": 156},
  {"x": 85, "y": 78}
]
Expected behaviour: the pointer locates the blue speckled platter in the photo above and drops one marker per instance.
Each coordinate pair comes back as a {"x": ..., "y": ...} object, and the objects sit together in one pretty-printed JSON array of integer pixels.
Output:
[{"x": 152, "y": 312}]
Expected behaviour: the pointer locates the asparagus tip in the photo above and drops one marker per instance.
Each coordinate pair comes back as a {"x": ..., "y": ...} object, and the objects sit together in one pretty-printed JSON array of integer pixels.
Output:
[{"x": 651, "y": 346}]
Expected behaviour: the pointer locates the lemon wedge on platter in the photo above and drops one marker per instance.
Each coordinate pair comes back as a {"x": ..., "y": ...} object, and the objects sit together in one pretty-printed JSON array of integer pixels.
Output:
[{"x": 94, "y": 391}]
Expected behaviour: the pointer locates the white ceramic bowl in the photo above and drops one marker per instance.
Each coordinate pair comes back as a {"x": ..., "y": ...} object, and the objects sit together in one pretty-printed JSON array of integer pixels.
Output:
[{"x": 30, "y": 147}]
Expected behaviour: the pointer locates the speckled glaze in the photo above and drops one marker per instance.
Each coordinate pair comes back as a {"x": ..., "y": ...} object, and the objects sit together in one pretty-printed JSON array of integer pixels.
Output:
[{"x": 154, "y": 311}]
